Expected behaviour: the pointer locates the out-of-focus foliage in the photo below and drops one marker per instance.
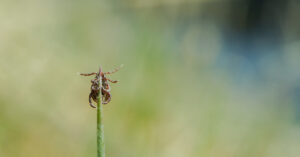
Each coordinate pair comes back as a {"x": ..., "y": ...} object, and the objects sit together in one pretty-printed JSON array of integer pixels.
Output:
[{"x": 198, "y": 80}]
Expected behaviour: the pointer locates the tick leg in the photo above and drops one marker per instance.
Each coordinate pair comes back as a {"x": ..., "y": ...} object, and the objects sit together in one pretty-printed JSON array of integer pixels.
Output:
[
  {"x": 115, "y": 70},
  {"x": 90, "y": 101},
  {"x": 88, "y": 74},
  {"x": 106, "y": 96},
  {"x": 112, "y": 81}
]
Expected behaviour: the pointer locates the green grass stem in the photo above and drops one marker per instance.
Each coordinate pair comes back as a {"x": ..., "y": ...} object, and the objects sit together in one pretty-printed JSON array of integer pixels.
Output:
[{"x": 100, "y": 126}]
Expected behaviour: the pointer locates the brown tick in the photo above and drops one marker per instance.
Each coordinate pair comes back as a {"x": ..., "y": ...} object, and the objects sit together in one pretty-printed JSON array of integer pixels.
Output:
[{"x": 105, "y": 88}]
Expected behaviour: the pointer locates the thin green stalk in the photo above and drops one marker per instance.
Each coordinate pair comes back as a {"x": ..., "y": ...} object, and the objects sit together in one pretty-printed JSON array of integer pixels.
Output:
[{"x": 100, "y": 127}]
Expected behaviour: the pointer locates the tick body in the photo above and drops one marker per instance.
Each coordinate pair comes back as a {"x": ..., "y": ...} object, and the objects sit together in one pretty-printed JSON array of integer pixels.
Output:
[{"x": 104, "y": 88}]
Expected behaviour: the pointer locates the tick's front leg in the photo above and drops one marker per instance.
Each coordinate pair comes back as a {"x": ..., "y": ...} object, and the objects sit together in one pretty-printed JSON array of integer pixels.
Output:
[
  {"x": 115, "y": 70},
  {"x": 90, "y": 101},
  {"x": 88, "y": 74}
]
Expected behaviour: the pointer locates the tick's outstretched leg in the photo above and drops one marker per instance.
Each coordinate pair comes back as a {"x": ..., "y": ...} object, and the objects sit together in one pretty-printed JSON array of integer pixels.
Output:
[
  {"x": 115, "y": 70},
  {"x": 112, "y": 81},
  {"x": 88, "y": 74},
  {"x": 90, "y": 101}
]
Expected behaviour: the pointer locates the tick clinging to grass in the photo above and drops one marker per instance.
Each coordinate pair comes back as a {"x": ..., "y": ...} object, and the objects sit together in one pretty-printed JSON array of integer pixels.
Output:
[
  {"x": 104, "y": 88},
  {"x": 100, "y": 93}
]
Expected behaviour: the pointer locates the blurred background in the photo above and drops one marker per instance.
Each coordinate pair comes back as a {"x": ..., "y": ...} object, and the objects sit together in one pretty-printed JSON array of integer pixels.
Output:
[{"x": 201, "y": 78}]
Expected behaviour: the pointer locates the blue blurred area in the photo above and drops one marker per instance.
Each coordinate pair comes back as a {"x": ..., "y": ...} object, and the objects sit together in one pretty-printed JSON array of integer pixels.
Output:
[{"x": 254, "y": 42}]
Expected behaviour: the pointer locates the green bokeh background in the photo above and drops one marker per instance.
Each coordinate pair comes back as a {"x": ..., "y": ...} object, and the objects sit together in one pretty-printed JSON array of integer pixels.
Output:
[{"x": 172, "y": 100}]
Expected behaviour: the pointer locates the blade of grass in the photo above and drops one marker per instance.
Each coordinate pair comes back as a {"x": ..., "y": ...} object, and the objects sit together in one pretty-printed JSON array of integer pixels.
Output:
[{"x": 100, "y": 126}]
